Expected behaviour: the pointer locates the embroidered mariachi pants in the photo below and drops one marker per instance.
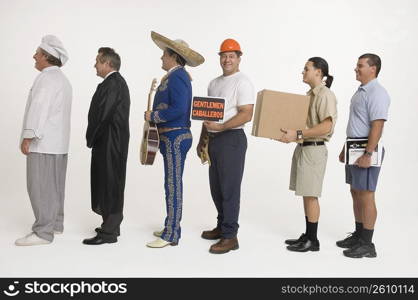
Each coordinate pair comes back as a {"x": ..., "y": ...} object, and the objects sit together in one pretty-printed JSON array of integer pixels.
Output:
[{"x": 174, "y": 146}]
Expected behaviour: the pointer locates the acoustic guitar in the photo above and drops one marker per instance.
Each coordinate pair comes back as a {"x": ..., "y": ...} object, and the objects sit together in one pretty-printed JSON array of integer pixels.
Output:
[{"x": 150, "y": 138}]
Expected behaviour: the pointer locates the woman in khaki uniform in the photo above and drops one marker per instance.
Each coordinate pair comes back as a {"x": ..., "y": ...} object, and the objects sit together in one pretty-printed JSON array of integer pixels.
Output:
[{"x": 310, "y": 156}]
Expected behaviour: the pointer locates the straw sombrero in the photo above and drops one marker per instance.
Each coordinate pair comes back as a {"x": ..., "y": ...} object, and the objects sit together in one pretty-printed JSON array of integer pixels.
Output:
[{"x": 192, "y": 58}]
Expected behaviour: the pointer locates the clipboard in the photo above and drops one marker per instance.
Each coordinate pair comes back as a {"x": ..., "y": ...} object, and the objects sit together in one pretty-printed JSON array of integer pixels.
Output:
[{"x": 355, "y": 147}]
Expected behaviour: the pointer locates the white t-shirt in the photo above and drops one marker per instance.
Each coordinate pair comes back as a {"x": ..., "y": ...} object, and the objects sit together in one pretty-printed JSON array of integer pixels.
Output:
[{"x": 237, "y": 90}]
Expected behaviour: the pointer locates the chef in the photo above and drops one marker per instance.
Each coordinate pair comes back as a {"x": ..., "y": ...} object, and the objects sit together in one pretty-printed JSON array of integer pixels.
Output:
[{"x": 45, "y": 141}]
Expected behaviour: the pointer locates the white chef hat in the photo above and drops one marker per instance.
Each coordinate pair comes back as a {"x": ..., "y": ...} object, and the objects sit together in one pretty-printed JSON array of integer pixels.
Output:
[{"x": 51, "y": 44}]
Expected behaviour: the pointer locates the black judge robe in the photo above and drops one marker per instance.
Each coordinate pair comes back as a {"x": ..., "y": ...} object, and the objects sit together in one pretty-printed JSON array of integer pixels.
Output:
[{"x": 108, "y": 136}]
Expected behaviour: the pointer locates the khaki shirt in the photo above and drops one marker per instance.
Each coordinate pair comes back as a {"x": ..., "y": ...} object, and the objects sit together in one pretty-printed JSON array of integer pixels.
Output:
[{"x": 323, "y": 105}]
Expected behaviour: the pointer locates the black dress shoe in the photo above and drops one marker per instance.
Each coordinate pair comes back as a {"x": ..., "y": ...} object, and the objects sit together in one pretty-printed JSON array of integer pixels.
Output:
[
  {"x": 302, "y": 238},
  {"x": 349, "y": 242},
  {"x": 304, "y": 246},
  {"x": 362, "y": 249},
  {"x": 98, "y": 240},
  {"x": 99, "y": 229}
]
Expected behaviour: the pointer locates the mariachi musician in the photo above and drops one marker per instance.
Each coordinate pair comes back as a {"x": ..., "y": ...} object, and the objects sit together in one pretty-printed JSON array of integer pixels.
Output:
[{"x": 171, "y": 113}]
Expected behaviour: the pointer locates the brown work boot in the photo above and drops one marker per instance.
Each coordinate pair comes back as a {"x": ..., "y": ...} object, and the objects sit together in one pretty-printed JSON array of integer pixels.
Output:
[
  {"x": 224, "y": 246},
  {"x": 213, "y": 234}
]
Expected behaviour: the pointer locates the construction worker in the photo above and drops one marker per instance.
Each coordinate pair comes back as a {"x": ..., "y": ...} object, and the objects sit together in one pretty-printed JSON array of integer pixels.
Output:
[{"x": 228, "y": 145}]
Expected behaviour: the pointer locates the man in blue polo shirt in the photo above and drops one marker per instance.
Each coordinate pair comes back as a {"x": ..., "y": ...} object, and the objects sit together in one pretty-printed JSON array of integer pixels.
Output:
[{"x": 368, "y": 113}]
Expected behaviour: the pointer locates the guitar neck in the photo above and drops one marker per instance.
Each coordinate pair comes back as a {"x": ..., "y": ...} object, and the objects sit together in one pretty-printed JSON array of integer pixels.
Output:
[
  {"x": 154, "y": 82},
  {"x": 149, "y": 100}
]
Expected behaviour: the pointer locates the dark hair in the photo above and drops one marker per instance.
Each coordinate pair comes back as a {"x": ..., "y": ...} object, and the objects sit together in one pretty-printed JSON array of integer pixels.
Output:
[
  {"x": 179, "y": 59},
  {"x": 238, "y": 53},
  {"x": 108, "y": 54},
  {"x": 52, "y": 60},
  {"x": 320, "y": 63},
  {"x": 373, "y": 60}
]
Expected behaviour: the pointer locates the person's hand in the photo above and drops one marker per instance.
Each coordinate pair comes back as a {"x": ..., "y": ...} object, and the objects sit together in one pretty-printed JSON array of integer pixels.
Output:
[
  {"x": 25, "y": 146},
  {"x": 213, "y": 126},
  {"x": 147, "y": 115},
  {"x": 364, "y": 161},
  {"x": 341, "y": 157},
  {"x": 289, "y": 135}
]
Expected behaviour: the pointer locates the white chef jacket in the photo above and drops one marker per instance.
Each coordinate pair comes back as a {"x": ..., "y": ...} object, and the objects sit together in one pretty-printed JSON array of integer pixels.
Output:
[{"x": 48, "y": 113}]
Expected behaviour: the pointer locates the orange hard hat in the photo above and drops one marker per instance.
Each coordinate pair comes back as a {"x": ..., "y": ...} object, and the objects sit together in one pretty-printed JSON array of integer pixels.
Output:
[{"x": 230, "y": 45}]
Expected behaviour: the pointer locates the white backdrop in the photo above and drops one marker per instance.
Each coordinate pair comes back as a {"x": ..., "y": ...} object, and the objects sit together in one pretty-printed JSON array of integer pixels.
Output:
[{"x": 277, "y": 37}]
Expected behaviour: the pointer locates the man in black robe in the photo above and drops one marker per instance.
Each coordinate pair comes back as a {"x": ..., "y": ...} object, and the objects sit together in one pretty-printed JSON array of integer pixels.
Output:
[{"x": 108, "y": 136}]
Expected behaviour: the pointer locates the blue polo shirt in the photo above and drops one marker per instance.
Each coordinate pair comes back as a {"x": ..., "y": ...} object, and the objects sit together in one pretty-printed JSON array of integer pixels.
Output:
[
  {"x": 173, "y": 100},
  {"x": 370, "y": 102}
]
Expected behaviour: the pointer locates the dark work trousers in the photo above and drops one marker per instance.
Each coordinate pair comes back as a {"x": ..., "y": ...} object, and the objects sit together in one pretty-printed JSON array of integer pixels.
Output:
[
  {"x": 227, "y": 154},
  {"x": 111, "y": 226}
]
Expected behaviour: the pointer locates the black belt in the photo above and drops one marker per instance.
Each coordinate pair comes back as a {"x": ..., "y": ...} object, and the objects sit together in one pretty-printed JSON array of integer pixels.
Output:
[
  {"x": 215, "y": 134},
  {"x": 312, "y": 144}
]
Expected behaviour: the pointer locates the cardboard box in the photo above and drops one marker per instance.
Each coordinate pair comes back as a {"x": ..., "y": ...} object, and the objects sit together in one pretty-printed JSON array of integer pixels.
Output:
[{"x": 275, "y": 110}]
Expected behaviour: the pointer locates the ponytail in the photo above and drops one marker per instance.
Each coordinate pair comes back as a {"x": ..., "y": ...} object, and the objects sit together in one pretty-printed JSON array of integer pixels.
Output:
[{"x": 329, "y": 80}]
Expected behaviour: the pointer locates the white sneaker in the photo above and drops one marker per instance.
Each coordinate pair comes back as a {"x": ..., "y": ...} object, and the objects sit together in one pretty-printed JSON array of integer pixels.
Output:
[
  {"x": 160, "y": 243},
  {"x": 158, "y": 233},
  {"x": 30, "y": 240}
]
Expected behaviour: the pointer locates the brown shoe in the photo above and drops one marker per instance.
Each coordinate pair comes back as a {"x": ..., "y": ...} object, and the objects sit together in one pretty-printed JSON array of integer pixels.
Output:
[
  {"x": 213, "y": 234},
  {"x": 224, "y": 246}
]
